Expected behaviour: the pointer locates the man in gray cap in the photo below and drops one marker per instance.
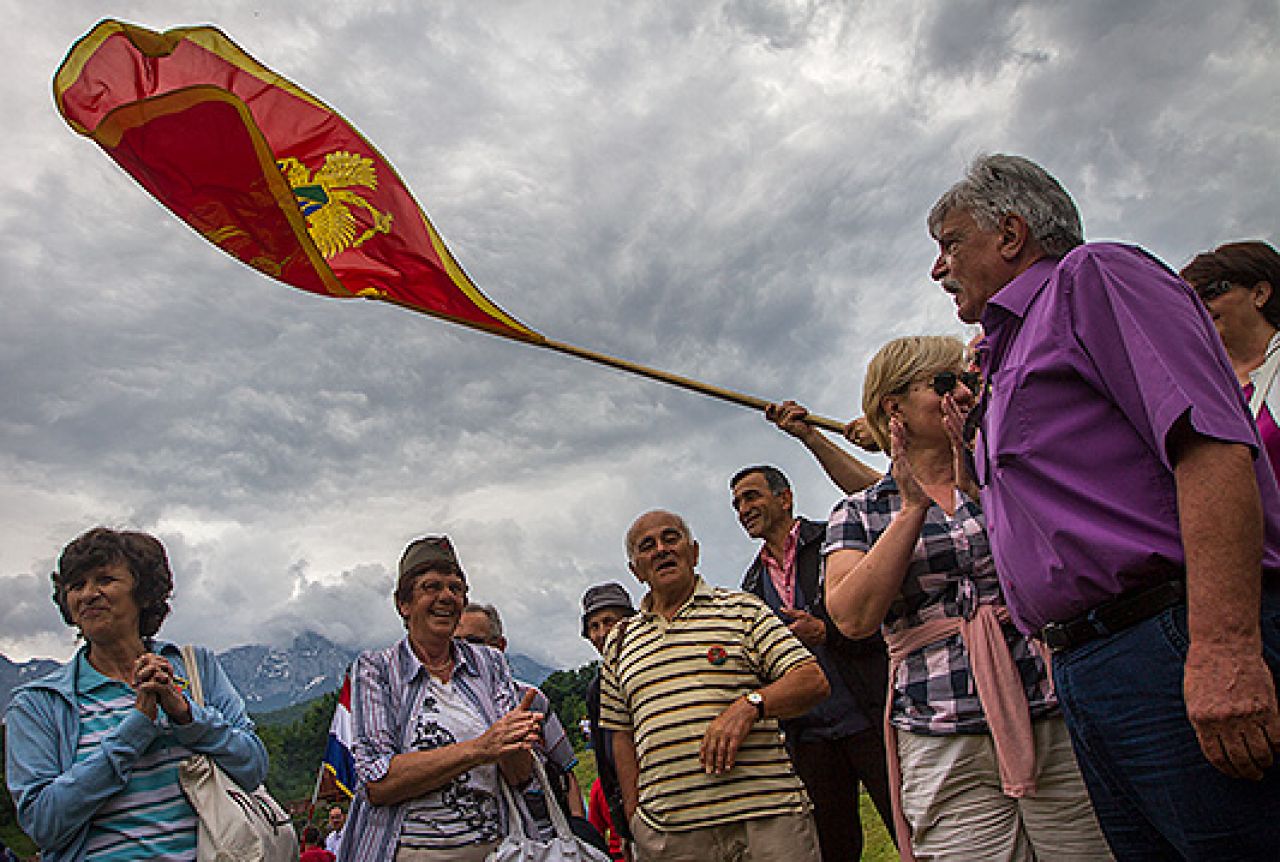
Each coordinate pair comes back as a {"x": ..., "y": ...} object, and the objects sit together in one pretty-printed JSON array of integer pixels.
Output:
[{"x": 603, "y": 607}]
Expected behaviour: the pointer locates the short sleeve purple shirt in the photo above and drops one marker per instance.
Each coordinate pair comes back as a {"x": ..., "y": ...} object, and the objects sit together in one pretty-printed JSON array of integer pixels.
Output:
[{"x": 1091, "y": 360}]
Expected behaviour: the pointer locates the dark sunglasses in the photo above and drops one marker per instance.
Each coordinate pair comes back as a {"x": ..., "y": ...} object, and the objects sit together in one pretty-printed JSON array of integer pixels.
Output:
[
  {"x": 477, "y": 640},
  {"x": 1213, "y": 289},
  {"x": 945, "y": 381}
]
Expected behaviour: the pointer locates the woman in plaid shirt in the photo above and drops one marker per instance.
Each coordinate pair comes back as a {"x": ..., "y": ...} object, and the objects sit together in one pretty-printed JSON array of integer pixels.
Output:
[{"x": 982, "y": 760}]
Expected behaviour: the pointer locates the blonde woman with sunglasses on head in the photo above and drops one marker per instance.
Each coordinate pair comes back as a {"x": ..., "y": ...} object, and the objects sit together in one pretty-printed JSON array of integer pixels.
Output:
[{"x": 985, "y": 763}]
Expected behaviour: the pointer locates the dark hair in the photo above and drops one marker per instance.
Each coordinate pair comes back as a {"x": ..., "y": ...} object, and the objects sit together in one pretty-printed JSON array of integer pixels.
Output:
[
  {"x": 140, "y": 552},
  {"x": 1243, "y": 263},
  {"x": 311, "y": 835},
  {"x": 773, "y": 477}
]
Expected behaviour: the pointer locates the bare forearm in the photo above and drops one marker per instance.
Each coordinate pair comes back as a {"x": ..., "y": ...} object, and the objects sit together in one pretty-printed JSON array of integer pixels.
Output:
[
  {"x": 628, "y": 770},
  {"x": 415, "y": 773},
  {"x": 1221, "y": 520},
  {"x": 861, "y": 587},
  {"x": 849, "y": 474},
  {"x": 798, "y": 691},
  {"x": 1228, "y": 688},
  {"x": 575, "y": 796}
]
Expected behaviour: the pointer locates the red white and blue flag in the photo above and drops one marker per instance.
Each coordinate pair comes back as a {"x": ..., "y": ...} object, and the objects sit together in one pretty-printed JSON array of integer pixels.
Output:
[{"x": 337, "y": 751}]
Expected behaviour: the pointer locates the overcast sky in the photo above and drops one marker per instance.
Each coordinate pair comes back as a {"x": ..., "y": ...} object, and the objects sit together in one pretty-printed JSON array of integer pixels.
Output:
[{"x": 735, "y": 191}]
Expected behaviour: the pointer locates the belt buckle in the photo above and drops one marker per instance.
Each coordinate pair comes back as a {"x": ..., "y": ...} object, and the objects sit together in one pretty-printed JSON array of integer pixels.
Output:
[{"x": 1055, "y": 636}]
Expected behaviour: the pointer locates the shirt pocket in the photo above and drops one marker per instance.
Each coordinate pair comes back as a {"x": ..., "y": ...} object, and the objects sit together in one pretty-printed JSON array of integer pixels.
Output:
[{"x": 1004, "y": 434}]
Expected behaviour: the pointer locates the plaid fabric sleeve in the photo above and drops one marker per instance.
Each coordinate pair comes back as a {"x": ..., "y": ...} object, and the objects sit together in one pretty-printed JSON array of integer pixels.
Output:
[{"x": 847, "y": 526}]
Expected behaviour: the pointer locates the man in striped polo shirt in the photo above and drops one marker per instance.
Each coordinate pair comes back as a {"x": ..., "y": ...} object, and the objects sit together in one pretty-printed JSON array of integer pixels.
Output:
[{"x": 693, "y": 687}]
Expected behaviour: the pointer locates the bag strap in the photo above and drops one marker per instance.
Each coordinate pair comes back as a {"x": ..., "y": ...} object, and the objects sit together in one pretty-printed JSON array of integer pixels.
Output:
[
  {"x": 193, "y": 673},
  {"x": 1266, "y": 377},
  {"x": 516, "y": 808}
]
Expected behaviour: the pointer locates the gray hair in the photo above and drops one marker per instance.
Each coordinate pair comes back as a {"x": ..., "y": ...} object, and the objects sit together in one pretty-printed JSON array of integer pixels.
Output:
[
  {"x": 997, "y": 185},
  {"x": 683, "y": 524},
  {"x": 495, "y": 621}
]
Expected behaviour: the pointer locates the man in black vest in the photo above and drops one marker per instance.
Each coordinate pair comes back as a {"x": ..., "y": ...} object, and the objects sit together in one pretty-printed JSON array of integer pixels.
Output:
[{"x": 839, "y": 743}]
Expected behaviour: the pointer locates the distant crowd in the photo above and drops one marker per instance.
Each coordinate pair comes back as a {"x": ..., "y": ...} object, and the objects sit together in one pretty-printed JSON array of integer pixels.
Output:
[{"x": 1051, "y": 631}]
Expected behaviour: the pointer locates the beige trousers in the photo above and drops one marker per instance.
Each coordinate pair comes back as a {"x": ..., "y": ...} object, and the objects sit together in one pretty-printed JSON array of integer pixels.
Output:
[
  {"x": 785, "y": 838},
  {"x": 952, "y": 800}
]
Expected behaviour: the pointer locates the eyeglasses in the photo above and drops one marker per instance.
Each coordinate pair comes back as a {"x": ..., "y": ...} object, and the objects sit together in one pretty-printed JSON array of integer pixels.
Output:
[
  {"x": 1213, "y": 289},
  {"x": 945, "y": 381},
  {"x": 477, "y": 640},
  {"x": 434, "y": 586}
]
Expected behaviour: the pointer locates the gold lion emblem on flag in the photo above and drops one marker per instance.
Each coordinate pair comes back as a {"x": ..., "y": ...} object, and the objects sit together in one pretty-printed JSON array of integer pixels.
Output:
[{"x": 327, "y": 200}]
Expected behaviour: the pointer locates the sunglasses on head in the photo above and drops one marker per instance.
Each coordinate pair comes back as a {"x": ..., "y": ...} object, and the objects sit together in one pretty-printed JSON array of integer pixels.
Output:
[
  {"x": 945, "y": 381},
  {"x": 1213, "y": 289}
]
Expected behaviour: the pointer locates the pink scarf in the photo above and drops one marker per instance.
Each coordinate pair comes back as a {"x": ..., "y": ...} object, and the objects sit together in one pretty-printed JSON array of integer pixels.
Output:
[{"x": 1004, "y": 702}]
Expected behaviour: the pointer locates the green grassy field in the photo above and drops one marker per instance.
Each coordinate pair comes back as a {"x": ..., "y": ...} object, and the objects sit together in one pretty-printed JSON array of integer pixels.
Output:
[{"x": 876, "y": 844}]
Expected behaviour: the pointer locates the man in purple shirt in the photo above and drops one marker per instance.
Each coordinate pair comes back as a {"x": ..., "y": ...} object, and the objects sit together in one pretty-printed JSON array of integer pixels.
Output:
[{"x": 1134, "y": 527}]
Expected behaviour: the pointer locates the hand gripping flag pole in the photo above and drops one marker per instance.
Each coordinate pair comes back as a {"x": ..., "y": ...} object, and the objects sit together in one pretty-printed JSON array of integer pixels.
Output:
[{"x": 275, "y": 178}]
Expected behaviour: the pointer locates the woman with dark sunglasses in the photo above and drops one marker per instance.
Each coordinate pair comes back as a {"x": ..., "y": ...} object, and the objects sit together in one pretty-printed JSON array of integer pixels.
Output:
[
  {"x": 1237, "y": 283},
  {"x": 981, "y": 758}
]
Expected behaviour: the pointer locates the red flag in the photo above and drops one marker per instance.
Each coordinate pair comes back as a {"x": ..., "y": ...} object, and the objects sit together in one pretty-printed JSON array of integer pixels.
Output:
[{"x": 263, "y": 170}]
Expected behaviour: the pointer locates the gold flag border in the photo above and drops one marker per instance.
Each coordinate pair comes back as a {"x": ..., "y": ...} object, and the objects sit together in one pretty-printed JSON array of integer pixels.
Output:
[{"x": 213, "y": 40}]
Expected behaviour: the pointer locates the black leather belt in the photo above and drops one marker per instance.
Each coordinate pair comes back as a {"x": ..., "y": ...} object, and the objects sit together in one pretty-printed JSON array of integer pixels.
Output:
[{"x": 1114, "y": 616}]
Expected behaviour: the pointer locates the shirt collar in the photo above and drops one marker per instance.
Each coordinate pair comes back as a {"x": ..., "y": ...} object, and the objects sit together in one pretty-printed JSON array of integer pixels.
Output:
[
  {"x": 701, "y": 591},
  {"x": 1016, "y": 296},
  {"x": 793, "y": 539},
  {"x": 89, "y": 677},
  {"x": 464, "y": 658}
]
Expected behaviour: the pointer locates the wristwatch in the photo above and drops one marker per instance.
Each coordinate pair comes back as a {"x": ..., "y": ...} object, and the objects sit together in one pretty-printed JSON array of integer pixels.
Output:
[{"x": 756, "y": 699}]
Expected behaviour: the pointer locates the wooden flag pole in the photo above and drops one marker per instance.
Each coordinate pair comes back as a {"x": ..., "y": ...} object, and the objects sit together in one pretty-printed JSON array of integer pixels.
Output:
[
  {"x": 539, "y": 340},
  {"x": 683, "y": 382}
]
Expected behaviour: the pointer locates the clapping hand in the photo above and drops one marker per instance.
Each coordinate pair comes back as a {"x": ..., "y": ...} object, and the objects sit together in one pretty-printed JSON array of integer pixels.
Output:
[
  {"x": 154, "y": 681},
  {"x": 913, "y": 495},
  {"x": 953, "y": 420}
]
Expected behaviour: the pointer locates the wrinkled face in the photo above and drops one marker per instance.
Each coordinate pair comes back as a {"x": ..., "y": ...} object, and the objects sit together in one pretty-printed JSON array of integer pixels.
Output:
[
  {"x": 336, "y": 819},
  {"x": 1238, "y": 310},
  {"x": 969, "y": 265},
  {"x": 475, "y": 627},
  {"x": 759, "y": 509},
  {"x": 662, "y": 556},
  {"x": 101, "y": 604},
  {"x": 433, "y": 610},
  {"x": 600, "y": 624}
]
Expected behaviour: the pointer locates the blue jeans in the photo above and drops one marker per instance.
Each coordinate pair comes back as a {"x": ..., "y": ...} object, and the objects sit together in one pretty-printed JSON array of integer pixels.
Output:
[{"x": 1156, "y": 796}]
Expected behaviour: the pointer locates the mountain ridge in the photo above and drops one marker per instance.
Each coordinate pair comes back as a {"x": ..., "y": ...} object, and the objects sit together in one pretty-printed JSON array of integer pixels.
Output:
[{"x": 269, "y": 678}]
